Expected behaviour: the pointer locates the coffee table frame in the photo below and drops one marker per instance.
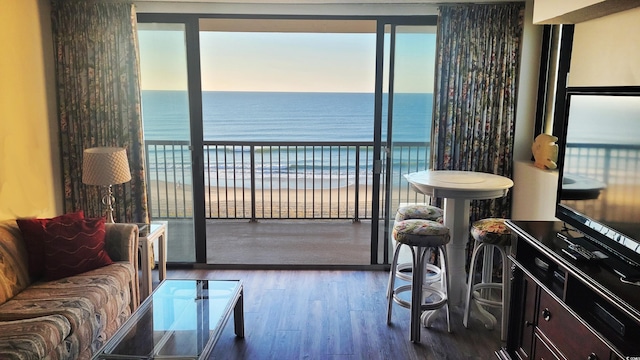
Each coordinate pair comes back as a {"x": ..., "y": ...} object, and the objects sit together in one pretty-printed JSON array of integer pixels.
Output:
[{"x": 234, "y": 304}]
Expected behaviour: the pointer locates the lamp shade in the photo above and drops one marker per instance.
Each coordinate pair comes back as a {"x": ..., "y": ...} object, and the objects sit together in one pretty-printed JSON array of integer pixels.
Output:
[{"x": 105, "y": 166}]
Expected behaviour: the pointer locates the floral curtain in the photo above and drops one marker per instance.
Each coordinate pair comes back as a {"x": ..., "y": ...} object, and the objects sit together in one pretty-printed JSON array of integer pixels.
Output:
[
  {"x": 478, "y": 55},
  {"x": 98, "y": 86}
]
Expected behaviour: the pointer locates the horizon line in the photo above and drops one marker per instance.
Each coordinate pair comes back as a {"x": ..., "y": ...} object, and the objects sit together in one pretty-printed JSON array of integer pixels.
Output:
[{"x": 288, "y": 92}]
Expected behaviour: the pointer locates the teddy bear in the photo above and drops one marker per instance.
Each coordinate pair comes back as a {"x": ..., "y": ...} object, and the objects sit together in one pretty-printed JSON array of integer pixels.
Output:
[{"x": 545, "y": 151}]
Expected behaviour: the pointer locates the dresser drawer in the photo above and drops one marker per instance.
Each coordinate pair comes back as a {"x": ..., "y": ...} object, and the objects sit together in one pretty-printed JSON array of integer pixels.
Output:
[
  {"x": 567, "y": 333},
  {"x": 542, "y": 350}
]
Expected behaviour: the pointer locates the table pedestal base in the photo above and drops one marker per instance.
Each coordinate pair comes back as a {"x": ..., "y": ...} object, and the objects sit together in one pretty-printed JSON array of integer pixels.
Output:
[{"x": 456, "y": 218}]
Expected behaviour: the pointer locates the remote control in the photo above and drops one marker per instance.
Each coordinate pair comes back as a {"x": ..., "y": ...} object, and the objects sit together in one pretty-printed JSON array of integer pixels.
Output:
[{"x": 577, "y": 252}]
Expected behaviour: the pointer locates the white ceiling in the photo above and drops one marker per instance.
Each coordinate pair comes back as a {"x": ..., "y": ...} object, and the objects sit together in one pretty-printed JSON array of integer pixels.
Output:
[{"x": 299, "y": 7}]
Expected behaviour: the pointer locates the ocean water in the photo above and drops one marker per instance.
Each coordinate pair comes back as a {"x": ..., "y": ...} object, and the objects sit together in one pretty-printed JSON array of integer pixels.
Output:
[{"x": 278, "y": 116}]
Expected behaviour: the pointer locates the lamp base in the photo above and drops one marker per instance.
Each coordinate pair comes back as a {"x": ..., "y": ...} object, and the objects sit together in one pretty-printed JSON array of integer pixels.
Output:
[{"x": 108, "y": 200}]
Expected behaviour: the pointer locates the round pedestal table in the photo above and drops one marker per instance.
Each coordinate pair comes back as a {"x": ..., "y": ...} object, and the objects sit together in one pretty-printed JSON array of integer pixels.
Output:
[{"x": 458, "y": 188}]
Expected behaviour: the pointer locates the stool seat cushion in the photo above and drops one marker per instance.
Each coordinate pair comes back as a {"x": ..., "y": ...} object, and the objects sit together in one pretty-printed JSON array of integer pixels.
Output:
[
  {"x": 418, "y": 232},
  {"x": 418, "y": 211},
  {"x": 491, "y": 231}
]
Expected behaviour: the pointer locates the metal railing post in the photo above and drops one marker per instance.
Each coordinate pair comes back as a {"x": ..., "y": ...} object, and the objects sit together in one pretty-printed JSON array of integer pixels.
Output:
[
  {"x": 253, "y": 182},
  {"x": 356, "y": 213}
]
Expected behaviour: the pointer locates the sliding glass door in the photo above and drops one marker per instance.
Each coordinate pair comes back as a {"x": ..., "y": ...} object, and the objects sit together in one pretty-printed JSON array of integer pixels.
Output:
[
  {"x": 262, "y": 119},
  {"x": 407, "y": 81},
  {"x": 167, "y": 131}
]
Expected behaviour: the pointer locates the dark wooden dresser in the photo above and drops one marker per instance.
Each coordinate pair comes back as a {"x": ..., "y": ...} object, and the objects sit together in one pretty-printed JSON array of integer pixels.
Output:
[{"x": 561, "y": 308}]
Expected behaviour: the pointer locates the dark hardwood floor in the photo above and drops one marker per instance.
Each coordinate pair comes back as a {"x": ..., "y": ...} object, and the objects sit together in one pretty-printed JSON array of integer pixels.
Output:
[{"x": 326, "y": 314}]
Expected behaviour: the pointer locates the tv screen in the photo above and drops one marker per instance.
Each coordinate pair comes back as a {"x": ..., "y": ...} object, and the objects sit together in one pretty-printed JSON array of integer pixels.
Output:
[{"x": 599, "y": 161}]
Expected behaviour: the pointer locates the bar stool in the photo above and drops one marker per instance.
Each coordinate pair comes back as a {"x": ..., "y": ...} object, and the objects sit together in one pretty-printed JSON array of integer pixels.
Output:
[
  {"x": 420, "y": 235},
  {"x": 489, "y": 234},
  {"x": 424, "y": 212}
]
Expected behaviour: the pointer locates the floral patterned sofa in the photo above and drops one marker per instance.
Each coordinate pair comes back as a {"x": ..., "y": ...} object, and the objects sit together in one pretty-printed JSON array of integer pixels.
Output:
[{"x": 69, "y": 317}]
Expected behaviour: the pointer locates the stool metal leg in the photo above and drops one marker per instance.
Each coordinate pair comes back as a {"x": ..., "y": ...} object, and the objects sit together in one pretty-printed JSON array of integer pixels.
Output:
[
  {"x": 447, "y": 283},
  {"x": 392, "y": 270},
  {"x": 428, "y": 316},
  {"x": 506, "y": 291},
  {"x": 391, "y": 284},
  {"x": 416, "y": 292}
]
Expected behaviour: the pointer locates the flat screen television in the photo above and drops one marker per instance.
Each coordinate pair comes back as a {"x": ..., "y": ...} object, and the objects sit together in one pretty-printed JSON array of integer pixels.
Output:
[{"x": 599, "y": 163}]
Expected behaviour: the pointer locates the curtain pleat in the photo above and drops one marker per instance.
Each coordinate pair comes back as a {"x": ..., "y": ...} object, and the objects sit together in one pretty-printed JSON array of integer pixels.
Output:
[
  {"x": 98, "y": 87},
  {"x": 475, "y": 93}
]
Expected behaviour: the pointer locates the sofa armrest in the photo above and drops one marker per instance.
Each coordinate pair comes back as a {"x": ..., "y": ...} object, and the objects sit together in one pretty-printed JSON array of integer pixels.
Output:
[{"x": 121, "y": 243}]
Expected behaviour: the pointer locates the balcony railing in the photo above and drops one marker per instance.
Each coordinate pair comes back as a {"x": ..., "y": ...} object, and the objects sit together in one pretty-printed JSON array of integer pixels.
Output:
[
  {"x": 617, "y": 166},
  {"x": 277, "y": 180}
]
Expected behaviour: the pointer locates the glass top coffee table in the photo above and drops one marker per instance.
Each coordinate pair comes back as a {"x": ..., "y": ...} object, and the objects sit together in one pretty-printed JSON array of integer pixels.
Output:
[{"x": 181, "y": 319}]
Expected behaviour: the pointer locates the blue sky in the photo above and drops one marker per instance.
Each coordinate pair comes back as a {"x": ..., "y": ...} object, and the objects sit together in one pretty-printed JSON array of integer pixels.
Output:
[{"x": 263, "y": 61}]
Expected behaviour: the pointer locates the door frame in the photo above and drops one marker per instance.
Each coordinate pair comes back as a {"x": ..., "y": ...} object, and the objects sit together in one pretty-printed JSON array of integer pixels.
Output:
[{"x": 192, "y": 32}]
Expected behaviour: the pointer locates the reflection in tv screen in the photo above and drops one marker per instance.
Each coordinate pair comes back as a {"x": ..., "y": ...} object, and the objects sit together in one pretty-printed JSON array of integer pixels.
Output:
[{"x": 601, "y": 169}]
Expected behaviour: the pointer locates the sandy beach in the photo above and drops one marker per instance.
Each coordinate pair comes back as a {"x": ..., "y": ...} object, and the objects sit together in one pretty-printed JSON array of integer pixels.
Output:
[{"x": 170, "y": 199}]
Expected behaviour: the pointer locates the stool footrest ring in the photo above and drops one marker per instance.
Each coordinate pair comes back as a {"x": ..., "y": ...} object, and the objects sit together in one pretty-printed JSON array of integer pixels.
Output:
[
  {"x": 433, "y": 273},
  {"x": 476, "y": 294},
  {"x": 441, "y": 297}
]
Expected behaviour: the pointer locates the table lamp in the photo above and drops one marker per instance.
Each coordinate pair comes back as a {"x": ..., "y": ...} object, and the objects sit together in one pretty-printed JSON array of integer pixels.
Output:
[{"x": 106, "y": 166}]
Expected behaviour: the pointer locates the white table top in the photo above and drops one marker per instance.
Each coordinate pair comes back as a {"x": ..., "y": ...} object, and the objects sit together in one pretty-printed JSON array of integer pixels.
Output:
[{"x": 454, "y": 184}]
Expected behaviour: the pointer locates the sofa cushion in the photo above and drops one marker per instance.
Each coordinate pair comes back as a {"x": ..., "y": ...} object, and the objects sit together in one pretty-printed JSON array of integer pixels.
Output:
[
  {"x": 33, "y": 231},
  {"x": 36, "y": 338},
  {"x": 91, "y": 302},
  {"x": 14, "y": 274},
  {"x": 75, "y": 247}
]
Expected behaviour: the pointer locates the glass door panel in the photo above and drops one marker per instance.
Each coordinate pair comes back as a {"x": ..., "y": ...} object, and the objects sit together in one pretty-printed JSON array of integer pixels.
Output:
[
  {"x": 287, "y": 109},
  {"x": 407, "y": 110},
  {"x": 413, "y": 80},
  {"x": 167, "y": 135}
]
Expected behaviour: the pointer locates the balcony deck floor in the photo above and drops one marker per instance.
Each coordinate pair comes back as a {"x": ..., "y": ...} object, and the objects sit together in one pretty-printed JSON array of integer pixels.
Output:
[{"x": 275, "y": 242}]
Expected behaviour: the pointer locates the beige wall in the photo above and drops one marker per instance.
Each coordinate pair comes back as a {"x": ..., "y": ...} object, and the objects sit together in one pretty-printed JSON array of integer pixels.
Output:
[
  {"x": 29, "y": 170},
  {"x": 577, "y": 11},
  {"x": 550, "y": 9},
  {"x": 531, "y": 199},
  {"x": 606, "y": 51},
  {"x": 527, "y": 86}
]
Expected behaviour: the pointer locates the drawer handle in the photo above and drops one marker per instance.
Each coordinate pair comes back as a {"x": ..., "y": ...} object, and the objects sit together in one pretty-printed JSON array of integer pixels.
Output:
[
  {"x": 546, "y": 314},
  {"x": 592, "y": 356},
  {"x": 528, "y": 323}
]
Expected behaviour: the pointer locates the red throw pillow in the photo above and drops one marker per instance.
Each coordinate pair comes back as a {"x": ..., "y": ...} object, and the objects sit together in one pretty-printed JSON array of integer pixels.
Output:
[
  {"x": 74, "y": 248},
  {"x": 33, "y": 235}
]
